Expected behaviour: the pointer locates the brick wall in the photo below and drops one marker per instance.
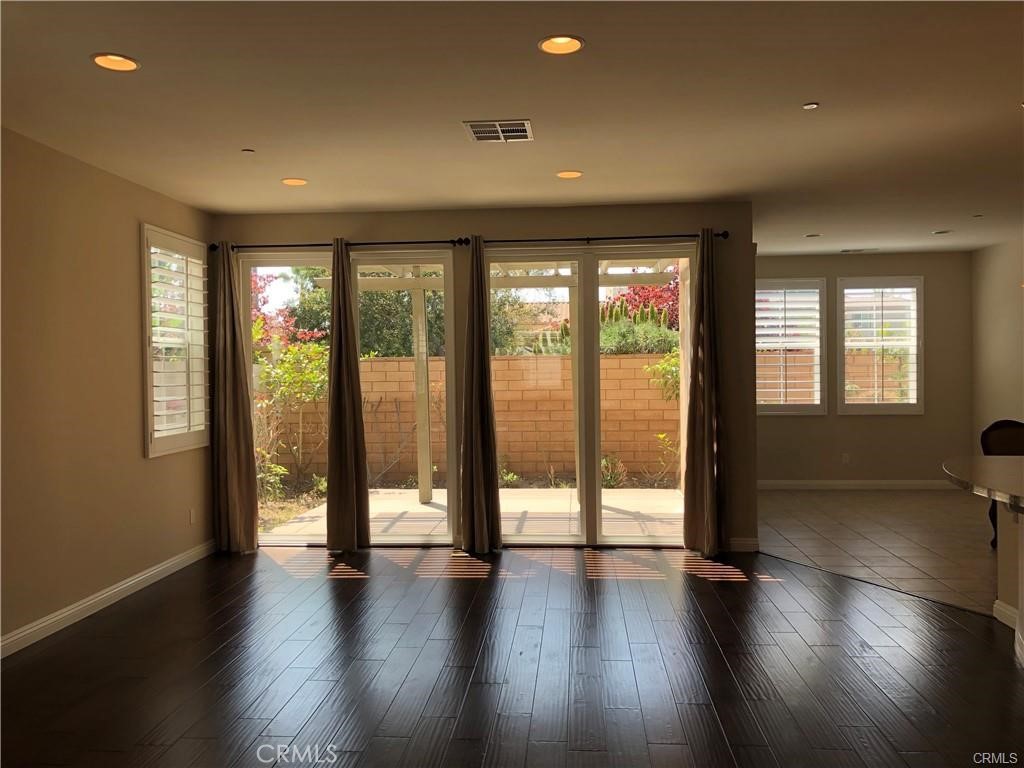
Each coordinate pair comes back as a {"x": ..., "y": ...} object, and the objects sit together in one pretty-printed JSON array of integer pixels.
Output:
[{"x": 533, "y": 401}]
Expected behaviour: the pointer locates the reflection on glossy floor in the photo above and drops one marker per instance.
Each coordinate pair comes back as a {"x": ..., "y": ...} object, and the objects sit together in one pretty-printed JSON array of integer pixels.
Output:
[
  {"x": 524, "y": 512},
  {"x": 533, "y": 657},
  {"x": 929, "y": 543}
]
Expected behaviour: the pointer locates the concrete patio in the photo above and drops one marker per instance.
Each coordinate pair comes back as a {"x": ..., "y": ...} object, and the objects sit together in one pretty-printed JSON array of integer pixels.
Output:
[{"x": 532, "y": 512}]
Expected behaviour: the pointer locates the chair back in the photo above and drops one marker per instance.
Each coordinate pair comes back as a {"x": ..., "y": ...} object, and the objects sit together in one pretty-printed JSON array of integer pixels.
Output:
[{"x": 1003, "y": 438}]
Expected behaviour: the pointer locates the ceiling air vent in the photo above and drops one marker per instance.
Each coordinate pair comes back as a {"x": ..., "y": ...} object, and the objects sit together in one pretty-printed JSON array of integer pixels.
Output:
[{"x": 499, "y": 130}]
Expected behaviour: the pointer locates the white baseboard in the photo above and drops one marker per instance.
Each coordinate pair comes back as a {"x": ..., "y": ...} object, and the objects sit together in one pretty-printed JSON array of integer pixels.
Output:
[
  {"x": 1006, "y": 613},
  {"x": 40, "y": 628},
  {"x": 855, "y": 485},
  {"x": 743, "y": 544}
]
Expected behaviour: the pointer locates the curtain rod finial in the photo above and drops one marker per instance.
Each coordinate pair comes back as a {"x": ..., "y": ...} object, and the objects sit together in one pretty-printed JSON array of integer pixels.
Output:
[
  {"x": 213, "y": 247},
  {"x": 724, "y": 234}
]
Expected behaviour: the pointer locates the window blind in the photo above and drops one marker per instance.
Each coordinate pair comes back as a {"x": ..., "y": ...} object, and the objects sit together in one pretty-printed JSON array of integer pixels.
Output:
[
  {"x": 881, "y": 341},
  {"x": 178, "y": 342},
  {"x": 788, "y": 342}
]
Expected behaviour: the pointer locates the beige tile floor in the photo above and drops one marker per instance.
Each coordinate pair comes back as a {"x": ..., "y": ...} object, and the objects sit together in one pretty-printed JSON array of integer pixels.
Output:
[{"x": 933, "y": 544}]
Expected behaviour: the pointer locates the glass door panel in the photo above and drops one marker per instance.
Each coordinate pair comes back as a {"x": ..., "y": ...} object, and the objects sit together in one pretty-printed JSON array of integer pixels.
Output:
[
  {"x": 534, "y": 374},
  {"x": 290, "y": 313},
  {"x": 642, "y": 351},
  {"x": 403, "y": 345}
]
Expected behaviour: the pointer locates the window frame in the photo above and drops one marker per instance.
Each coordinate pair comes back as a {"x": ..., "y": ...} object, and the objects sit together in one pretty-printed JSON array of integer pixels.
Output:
[
  {"x": 193, "y": 439},
  {"x": 878, "y": 409},
  {"x": 799, "y": 409}
]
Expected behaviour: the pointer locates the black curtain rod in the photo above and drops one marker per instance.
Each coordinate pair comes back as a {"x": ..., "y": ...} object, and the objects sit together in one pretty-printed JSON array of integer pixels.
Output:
[
  {"x": 453, "y": 242},
  {"x": 724, "y": 234}
]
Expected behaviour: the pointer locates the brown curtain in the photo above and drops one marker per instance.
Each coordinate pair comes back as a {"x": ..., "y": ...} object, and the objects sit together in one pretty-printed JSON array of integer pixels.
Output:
[
  {"x": 348, "y": 499},
  {"x": 701, "y": 523},
  {"x": 478, "y": 460},
  {"x": 234, "y": 462}
]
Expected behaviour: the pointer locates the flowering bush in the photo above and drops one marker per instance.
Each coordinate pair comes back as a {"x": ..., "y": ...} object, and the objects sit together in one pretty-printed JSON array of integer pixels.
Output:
[{"x": 660, "y": 297}]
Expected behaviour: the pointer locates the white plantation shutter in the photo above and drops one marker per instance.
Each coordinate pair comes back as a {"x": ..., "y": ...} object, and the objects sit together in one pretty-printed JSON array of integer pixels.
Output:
[
  {"x": 880, "y": 344},
  {"x": 789, "y": 348},
  {"x": 178, "y": 392}
]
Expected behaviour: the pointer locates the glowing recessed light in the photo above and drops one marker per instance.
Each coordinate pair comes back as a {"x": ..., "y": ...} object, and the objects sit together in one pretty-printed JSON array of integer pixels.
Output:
[
  {"x": 813, "y": 234},
  {"x": 559, "y": 45},
  {"x": 115, "y": 62},
  {"x": 941, "y": 231},
  {"x": 811, "y": 105},
  {"x": 294, "y": 182},
  {"x": 569, "y": 174}
]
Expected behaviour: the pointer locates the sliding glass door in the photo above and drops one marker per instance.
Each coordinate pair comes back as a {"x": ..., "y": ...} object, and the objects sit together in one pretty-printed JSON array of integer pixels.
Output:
[
  {"x": 287, "y": 300},
  {"x": 642, "y": 301},
  {"x": 407, "y": 378},
  {"x": 590, "y": 393},
  {"x": 588, "y": 360},
  {"x": 535, "y": 378}
]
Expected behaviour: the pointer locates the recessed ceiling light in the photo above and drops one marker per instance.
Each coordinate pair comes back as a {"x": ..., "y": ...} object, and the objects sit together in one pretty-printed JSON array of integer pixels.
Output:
[
  {"x": 248, "y": 151},
  {"x": 560, "y": 45},
  {"x": 811, "y": 105},
  {"x": 813, "y": 234},
  {"x": 294, "y": 182},
  {"x": 978, "y": 216},
  {"x": 569, "y": 174},
  {"x": 941, "y": 231},
  {"x": 115, "y": 62}
]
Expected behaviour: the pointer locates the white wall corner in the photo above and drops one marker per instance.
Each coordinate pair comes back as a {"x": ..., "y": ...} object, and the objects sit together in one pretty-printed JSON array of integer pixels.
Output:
[
  {"x": 1006, "y": 613},
  {"x": 65, "y": 617}
]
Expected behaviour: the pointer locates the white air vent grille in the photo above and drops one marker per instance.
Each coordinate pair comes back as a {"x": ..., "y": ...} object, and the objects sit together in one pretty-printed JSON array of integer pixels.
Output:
[{"x": 499, "y": 130}]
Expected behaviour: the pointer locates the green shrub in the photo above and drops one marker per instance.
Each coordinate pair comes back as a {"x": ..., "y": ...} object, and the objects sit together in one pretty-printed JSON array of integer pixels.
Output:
[
  {"x": 625, "y": 337},
  {"x": 613, "y": 471},
  {"x": 269, "y": 480},
  {"x": 507, "y": 478},
  {"x": 666, "y": 373},
  {"x": 319, "y": 485}
]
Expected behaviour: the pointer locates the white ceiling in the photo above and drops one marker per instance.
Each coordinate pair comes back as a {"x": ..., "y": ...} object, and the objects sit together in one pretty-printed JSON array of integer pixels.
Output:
[{"x": 921, "y": 123}]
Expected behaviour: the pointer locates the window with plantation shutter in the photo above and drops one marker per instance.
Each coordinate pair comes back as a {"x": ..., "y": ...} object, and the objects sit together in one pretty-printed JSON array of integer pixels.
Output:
[
  {"x": 177, "y": 346},
  {"x": 880, "y": 344},
  {"x": 789, "y": 346}
]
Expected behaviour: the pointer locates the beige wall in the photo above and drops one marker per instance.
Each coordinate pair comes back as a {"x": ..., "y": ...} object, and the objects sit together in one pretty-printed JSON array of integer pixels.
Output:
[
  {"x": 998, "y": 322},
  {"x": 82, "y": 508},
  {"x": 998, "y": 300},
  {"x": 735, "y": 287},
  {"x": 883, "y": 449}
]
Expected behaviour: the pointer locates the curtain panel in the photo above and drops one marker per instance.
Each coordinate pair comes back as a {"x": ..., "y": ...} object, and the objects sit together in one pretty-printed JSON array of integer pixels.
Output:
[
  {"x": 702, "y": 526},
  {"x": 348, "y": 495},
  {"x": 233, "y": 459},
  {"x": 480, "y": 515}
]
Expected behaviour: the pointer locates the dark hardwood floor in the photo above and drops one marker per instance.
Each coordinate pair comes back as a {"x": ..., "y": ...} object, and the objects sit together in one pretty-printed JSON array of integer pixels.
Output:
[{"x": 535, "y": 657}]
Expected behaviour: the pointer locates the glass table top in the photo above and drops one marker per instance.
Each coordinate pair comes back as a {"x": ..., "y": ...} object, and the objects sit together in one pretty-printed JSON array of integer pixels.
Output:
[{"x": 995, "y": 477}]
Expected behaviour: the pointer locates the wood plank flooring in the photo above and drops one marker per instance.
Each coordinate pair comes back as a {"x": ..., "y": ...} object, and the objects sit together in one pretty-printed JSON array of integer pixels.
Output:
[{"x": 533, "y": 657}]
